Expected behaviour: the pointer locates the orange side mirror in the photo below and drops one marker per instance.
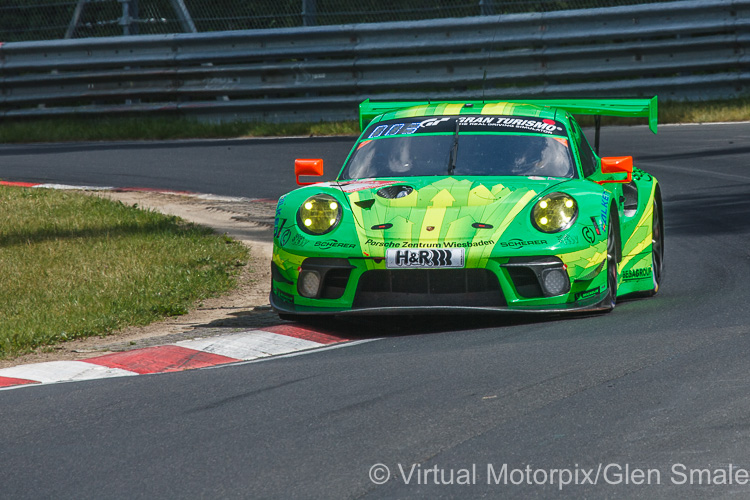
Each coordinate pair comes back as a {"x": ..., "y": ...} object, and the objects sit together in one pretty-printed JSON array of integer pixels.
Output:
[
  {"x": 618, "y": 165},
  {"x": 312, "y": 167}
]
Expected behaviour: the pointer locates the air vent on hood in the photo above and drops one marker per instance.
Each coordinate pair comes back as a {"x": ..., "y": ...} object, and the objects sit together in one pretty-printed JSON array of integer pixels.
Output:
[
  {"x": 393, "y": 192},
  {"x": 365, "y": 203}
]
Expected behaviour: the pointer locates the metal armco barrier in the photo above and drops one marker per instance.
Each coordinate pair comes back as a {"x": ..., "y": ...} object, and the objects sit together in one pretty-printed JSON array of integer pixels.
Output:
[{"x": 692, "y": 50}]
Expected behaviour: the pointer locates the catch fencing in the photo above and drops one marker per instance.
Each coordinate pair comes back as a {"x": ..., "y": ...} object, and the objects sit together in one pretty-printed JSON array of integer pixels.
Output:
[{"x": 688, "y": 50}]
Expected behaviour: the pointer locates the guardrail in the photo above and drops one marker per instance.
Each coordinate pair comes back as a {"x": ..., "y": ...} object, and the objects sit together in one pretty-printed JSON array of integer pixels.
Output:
[{"x": 689, "y": 50}]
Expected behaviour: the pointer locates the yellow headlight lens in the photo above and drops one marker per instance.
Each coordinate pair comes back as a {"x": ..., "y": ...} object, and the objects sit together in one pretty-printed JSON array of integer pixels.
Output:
[
  {"x": 319, "y": 214},
  {"x": 554, "y": 213}
]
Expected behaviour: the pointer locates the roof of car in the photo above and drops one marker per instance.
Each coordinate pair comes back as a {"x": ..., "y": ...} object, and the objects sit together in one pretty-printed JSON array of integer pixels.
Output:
[{"x": 494, "y": 108}]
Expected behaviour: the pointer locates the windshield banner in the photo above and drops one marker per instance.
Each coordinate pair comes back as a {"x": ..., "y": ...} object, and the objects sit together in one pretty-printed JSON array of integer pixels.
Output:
[{"x": 467, "y": 123}]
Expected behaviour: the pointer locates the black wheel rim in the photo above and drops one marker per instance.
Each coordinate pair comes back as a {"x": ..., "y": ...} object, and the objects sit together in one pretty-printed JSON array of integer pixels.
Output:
[{"x": 611, "y": 264}]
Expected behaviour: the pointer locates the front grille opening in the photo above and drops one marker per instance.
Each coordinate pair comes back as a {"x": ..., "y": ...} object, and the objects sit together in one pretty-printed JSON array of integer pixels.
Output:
[
  {"x": 429, "y": 287},
  {"x": 526, "y": 283},
  {"x": 334, "y": 283},
  {"x": 410, "y": 283}
]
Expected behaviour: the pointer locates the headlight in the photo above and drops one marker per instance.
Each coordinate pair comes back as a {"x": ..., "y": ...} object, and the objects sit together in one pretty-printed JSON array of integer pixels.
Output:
[
  {"x": 554, "y": 213},
  {"x": 319, "y": 214}
]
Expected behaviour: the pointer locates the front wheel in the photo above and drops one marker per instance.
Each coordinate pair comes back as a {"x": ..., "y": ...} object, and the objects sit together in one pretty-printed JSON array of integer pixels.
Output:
[{"x": 612, "y": 242}]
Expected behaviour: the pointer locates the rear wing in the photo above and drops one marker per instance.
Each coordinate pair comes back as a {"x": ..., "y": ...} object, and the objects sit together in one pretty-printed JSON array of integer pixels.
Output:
[{"x": 625, "y": 107}]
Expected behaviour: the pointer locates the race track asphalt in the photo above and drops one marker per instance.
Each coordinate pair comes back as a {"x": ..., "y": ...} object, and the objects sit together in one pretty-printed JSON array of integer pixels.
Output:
[{"x": 660, "y": 386}]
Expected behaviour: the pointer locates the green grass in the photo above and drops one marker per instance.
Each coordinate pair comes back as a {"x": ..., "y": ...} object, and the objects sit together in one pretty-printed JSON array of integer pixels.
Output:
[
  {"x": 156, "y": 128},
  {"x": 74, "y": 266},
  {"x": 149, "y": 128}
]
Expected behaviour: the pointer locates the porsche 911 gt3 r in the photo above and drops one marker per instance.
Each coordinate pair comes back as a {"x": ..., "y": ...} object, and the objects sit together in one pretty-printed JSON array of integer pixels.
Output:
[{"x": 473, "y": 206}]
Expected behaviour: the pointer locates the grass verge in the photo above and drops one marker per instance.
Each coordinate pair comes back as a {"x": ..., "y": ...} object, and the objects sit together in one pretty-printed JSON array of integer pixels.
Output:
[
  {"x": 150, "y": 128},
  {"x": 156, "y": 128},
  {"x": 74, "y": 266}
]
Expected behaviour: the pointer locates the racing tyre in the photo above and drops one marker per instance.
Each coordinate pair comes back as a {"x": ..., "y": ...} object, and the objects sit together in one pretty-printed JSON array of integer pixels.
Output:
[
  {"x": 612, "y": 256},
  {"x": 657, "y": 246}
]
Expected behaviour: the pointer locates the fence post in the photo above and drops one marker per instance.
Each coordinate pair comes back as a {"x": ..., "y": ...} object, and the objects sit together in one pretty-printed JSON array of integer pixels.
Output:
[
  {"x": 309, "y": 12},
  {"x": 74, "y": 20},
  {"x": 129, "y": 14},
  {"x": 486, "y": 8},
  {"x": 183, "y": 15}
]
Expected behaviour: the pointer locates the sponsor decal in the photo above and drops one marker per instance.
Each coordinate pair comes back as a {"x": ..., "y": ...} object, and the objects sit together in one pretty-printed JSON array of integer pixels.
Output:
[
  {"x": 446, "y": 244},
  {"x": 605, "y": 210},
  {"x": 587, "y": 294},
  {"x": 475, "y": 120},
  {"x": 519, "y": 243},
  {"x": 283, "y": 295},
  {"x": 278, "y": 226},
  {"x": 439, "y": 258},
  {"x": 284, "y": 238},
  {"x": 431, "y": 122},
  {"x": 567, "y": 239},
  {"x": 278, "y": 219},
  {"x": 530, "y": 124},
  {"x": 636, "y": 274},
  {"x": 385, "y": 244},
  {"x": 588, "y": 235},
  {"x": 468, "y": 244},
  {"x": 475, "y": 123},
  {"x": 299, "y": 240},
  {"x": 449, "y": 244},
  {"x": 328, "y": 244}
]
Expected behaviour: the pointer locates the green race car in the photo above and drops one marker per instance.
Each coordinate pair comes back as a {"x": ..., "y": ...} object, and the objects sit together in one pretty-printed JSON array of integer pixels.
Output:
[{"x": 471, "y": 206}]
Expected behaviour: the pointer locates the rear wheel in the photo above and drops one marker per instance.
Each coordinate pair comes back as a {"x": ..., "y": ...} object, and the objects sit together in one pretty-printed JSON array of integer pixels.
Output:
[{"x": 657, "y": 247}]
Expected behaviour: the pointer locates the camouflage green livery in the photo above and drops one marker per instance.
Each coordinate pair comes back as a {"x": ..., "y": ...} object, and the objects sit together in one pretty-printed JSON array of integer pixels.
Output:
[{"x": 471, "y": 242}]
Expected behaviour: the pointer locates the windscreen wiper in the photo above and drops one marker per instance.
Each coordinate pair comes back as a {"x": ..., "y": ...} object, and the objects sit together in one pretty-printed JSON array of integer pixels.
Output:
[{"x": 454, "y": 151}]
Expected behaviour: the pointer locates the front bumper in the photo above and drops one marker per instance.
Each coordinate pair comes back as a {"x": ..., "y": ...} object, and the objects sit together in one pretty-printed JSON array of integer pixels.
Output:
[{"x": 363, "y": 285}]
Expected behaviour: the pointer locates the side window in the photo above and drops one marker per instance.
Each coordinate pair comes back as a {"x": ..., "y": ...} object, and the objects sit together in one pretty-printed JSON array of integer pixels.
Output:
[{"x": 588, "y": 158}]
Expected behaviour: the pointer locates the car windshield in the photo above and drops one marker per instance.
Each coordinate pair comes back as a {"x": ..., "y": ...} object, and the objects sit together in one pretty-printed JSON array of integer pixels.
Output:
[{"x": 462, "y": 146}]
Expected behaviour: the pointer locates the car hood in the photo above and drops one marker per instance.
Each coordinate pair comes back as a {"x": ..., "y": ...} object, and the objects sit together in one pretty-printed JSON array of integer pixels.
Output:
[{"x": 426, "y": 209}]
